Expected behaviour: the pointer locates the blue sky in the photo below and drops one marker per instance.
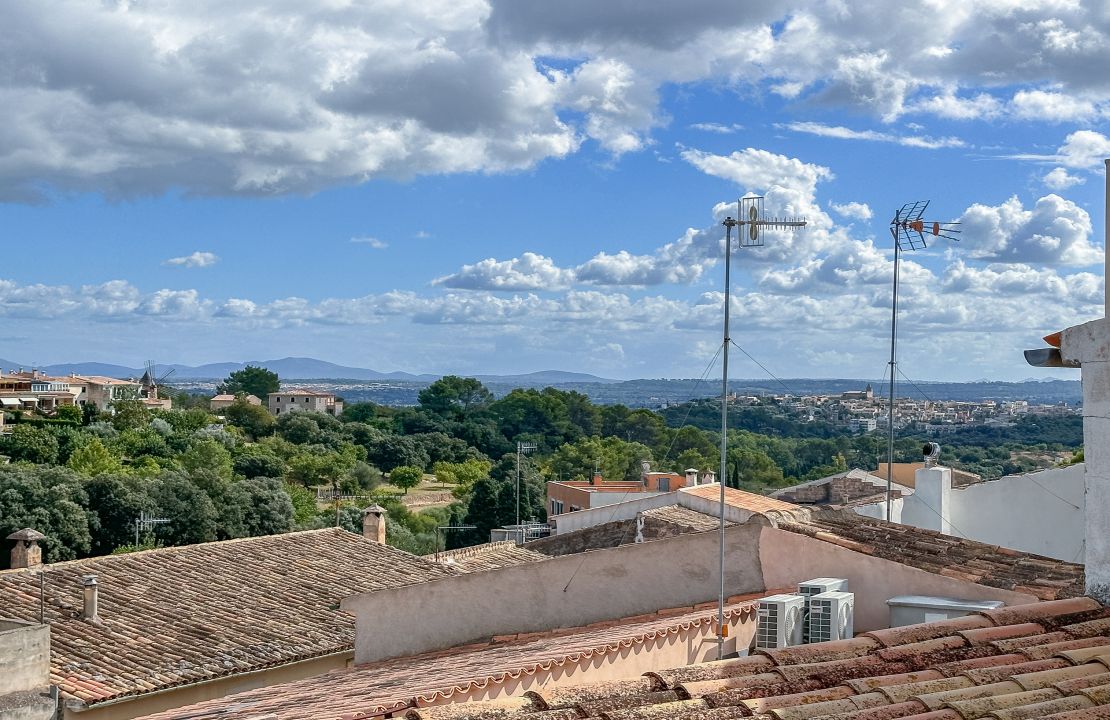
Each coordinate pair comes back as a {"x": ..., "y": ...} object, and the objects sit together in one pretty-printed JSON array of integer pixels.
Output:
[{"x": 486, "y": 186}]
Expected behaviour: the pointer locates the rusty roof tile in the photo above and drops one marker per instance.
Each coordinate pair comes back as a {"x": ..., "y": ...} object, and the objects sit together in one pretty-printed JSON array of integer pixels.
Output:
[
  {"x": 662, "y": 711},
  {"x": 821, "y": 652},
  {"x": 867, "y": 684},
  {"x": 1012, "y": 644},
  {"x": 765, "y": 704},
  {"x": 701, "y": 688},
  {"x": 750, "y": 665},
  {"x": 1033, "y": 612},
  {"x": 1090, "y": 628},
  {"x": 1048, "y": 678},
  {"x": 906, "y": 691},
  {"x": 1099, "y": 694},
  {"x": 959, "y": 667},
  {"x": 927, "y": 631},
  {"x": 1077, "y": 683},
  {"x": 924, "y": 647},
  {"x": 835, "y": 672},
  {"x": 1038, "y": 652},
  {"x": 1037, "y": 711},
  {"x": 982, "y": 636},
  {"x": 1092, "y": 713},
  {"x": 978, "y": 707},
  {"x": 995, "y": 674}
]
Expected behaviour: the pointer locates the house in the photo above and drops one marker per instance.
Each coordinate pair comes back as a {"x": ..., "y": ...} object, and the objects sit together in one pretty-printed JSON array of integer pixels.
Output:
[
  {"x": 224, "y": 401},
  {"x": 31, "y": 391},
  {"x": 299, "y": 399},
  {"x": 101, "y": 392},
  {"x": 141, "y": 632},
  {"x": 574, "y": 495},
  {"x": 553, "y": 637}
]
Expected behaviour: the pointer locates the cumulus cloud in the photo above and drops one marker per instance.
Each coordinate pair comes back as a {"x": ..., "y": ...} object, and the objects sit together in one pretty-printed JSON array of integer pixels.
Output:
[
  {"x": 1060, "y": 179},
  {"x": 528, "y": 272},
  {"x": 717, "y": 128},
  {"x": 853, "y": 210},
  {"x": 1054, "y": 231},
  {"x": 251, "y": 98},
  {"x": 197, "y": 259}
]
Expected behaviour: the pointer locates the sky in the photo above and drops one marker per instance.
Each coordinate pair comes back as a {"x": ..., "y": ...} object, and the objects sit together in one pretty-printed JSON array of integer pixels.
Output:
[{"x": 506, "y": 186}]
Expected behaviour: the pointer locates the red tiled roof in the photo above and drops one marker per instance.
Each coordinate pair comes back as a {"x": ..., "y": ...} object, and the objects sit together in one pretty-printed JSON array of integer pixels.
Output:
[
  {"x": 1043, "y": 577},
  {"x": 961, "y": 669},
  {"x": 741, "y": 499},
  {"x": 391, "y": 686},
  {"x": 489, "y": 556},
  {"x": 180, "y": 615}
]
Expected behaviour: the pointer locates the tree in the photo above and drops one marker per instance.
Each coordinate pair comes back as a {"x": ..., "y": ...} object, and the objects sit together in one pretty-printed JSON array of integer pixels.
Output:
[
  {"x": 50, "y": 500},
  {"x": 406, "y": 477},
  {"x": 254, "y": 419},
  {"x": 255, "y": 461},
  {"x": 615, "y": 458},
  {"x": 130, "y": 414},
  {"x": 32, "y": 444},
  {"x": 256, "y": 506},
  {"x": 207, "y": 455},
  {"x": 251, "y": 380},
  {"x": 192, "y": 514},
  {"x": 94, "y": 459},
  {"x": 72, "y": 413},
  {"x": 455, "y": 397},
  {"x": 115, "y": 501},
  {"x": 396, "y": 450}
]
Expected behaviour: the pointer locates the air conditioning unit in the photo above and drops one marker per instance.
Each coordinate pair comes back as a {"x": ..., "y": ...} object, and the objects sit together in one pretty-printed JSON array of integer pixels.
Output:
[
  {"x": 816, "y": 586},
  {"x": 830, "y": 616},
  {"x": 780, "y": 621}
]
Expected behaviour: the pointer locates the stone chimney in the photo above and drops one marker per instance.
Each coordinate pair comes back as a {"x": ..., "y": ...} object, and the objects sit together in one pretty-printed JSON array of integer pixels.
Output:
[
  {"x": 90, "y": 593},
  {"x": 597, "y": 479},
  {"x": 373, "y": 523},
  {"x": 26, "y": 553},
  {"x": 708, "y": 477},
  {"x": 691, "y": 477}
]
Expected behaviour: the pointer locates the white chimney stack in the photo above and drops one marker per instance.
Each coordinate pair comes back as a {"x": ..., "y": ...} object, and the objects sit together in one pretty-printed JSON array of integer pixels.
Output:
[
  {"x": 373, "y": 523},
  {"x": 91, "y": 599}
]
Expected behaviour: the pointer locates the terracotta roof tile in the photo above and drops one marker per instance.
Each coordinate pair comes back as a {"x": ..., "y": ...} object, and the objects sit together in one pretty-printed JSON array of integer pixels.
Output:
[
  {"x": 741, "y": 499},
  {"x": 180, "y": 615},
  {"x": 1041, "y": 577},
  {"x": 1093, "y": 713},
  {"x": 982, "y": 636},
  {"x": 488, "y": 556}
]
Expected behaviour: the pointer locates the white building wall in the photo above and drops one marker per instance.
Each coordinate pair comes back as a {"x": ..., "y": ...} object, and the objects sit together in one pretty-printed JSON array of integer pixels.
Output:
[
  {"x": 579, "y": 519},
  {"x": 1040, "y": 512}
]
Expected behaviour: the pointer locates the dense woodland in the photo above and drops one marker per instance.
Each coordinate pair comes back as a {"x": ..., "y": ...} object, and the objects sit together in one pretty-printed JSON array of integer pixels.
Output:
[{"x": 83, "y": 478}]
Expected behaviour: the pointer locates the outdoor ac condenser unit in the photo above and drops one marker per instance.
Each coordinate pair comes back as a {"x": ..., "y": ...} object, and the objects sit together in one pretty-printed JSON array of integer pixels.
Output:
[
  {"x": 816, "y": 586},
  {"x": 831, "y": 616},
  {"x": 780, "y": 621}
]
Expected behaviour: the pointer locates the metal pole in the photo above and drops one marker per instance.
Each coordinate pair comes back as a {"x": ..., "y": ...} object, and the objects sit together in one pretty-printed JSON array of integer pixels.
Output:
[
  {"x": 729, "y": 224},
  {"x": 1106, "y": 230},
  {"x": 890, "y": 400},
  {"x": 518, "y": 485}
]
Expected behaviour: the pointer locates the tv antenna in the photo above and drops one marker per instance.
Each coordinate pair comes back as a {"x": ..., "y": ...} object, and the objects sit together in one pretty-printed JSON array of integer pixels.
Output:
[
  {"x": 147, "y": 523},
  {"x": 521, "y": 448},
  {"x": 909, "y": 230},
  {"x": 750, "y": 215}
]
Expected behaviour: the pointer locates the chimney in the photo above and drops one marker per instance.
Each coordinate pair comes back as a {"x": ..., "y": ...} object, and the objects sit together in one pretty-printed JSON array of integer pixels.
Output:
[
  {"x": 26, "y": 553},
  {"x": 373, "y": 523},
  {"x": 90, "y": 592},
  {"x": 708, "y": 477},
  {"x": 691, "y": 477},
  {"x": 597, "y": 479}
]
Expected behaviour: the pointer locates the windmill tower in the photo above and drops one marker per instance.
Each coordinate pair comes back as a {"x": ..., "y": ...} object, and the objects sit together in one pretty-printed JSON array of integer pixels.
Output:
[{"x": 150, "y": 380}]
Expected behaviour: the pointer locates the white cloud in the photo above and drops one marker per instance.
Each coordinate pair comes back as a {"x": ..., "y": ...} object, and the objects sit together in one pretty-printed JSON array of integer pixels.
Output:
[
  {"x": 1084, "y": 149},
  {"x": 196, "y": 260},
  {"x": 1054, "y": 231},
  {"x": 1059, "y": 179},
  {"x": 843, "y": 133},
  {"x": 717, "y": 128},
  {"x": 528, "y": 272},
  {"x": 853, "y": 210},
  {"x": 371, "y": 242},
  {"x": 254, "y": 98}
]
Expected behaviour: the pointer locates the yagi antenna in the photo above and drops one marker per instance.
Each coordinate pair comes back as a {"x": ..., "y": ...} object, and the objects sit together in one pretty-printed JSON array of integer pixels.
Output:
[{"x": 750, "y": 214}]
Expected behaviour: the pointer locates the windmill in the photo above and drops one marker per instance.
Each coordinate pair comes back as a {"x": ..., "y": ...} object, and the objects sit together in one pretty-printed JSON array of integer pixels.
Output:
[{"x": 151, "y": 380}]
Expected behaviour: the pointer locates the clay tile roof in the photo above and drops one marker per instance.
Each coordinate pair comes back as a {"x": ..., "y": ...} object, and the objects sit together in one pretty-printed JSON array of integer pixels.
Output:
[
  {"x": 685, "y": 518},
  {"x": 946, "y": 670},
  {"x": 741, "y": 499},
  {"x": 181, "y": 615},
  {"x": 990, "y": 565},
  {"x": 489, "y": 556}
]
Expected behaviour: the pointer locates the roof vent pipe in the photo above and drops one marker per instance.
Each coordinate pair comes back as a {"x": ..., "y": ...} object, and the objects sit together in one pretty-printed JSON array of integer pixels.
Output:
[
  {"x": 931, "y": 451},
  {"x": 91, "y": 599}
]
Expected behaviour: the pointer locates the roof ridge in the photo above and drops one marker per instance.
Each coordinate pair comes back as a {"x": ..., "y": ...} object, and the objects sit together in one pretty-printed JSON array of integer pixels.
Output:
[{"x": 177, "y": 548}]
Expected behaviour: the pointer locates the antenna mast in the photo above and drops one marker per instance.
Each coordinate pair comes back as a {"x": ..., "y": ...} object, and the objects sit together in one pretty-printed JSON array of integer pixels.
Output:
[{"x": 749, "y": 211}]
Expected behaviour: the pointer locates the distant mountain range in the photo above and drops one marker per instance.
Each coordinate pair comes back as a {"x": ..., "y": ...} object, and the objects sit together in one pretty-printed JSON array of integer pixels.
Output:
[{"x": 292, "y": 368}]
